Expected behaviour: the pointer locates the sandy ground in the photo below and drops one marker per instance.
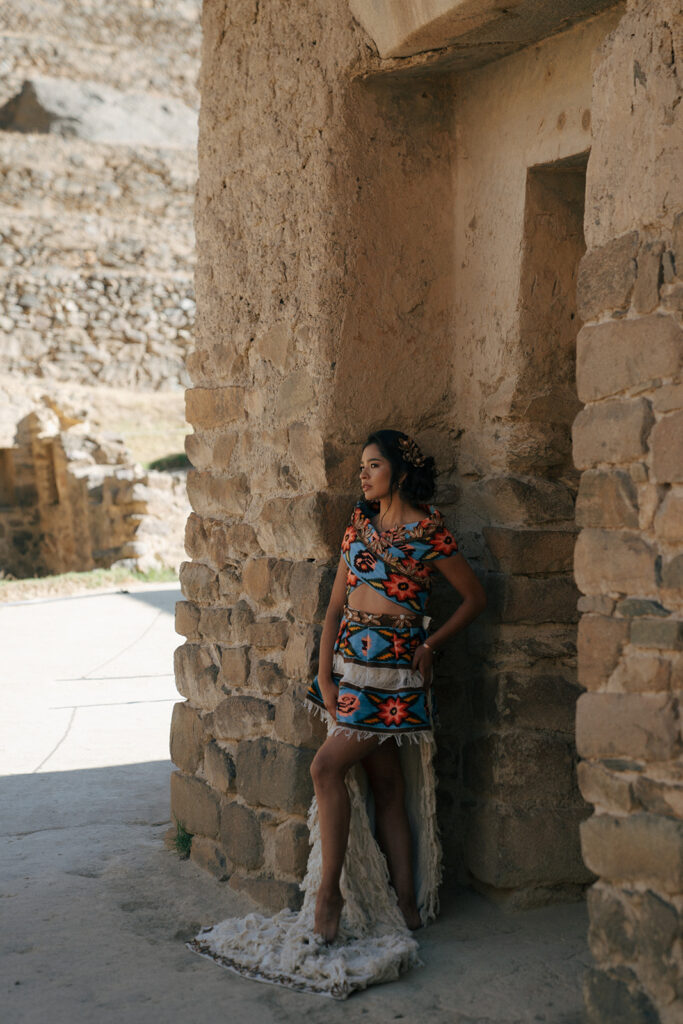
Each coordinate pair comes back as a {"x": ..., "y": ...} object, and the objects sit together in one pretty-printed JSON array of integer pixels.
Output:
[{"x": 96, "y": 910}]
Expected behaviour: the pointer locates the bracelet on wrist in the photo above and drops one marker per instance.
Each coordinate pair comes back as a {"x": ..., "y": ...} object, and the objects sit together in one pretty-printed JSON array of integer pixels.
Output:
[{"x": 429, "y": 647}]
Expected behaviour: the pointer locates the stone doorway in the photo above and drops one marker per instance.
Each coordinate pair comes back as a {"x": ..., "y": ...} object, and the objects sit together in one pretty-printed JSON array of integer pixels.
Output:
[{"x": 523, "y": 846}]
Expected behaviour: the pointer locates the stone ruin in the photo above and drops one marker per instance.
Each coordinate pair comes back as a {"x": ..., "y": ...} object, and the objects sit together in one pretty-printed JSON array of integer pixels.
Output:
[
  {"x": 72, "y": 499},
  {"x": 465, "y": 221}
]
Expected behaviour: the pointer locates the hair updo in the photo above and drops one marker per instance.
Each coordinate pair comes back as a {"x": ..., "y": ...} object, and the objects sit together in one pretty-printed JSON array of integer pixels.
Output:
[{"x": 419, "y": 484}]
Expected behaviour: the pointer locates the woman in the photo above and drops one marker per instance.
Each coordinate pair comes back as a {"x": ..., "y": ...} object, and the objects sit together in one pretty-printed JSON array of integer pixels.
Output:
[
  {"x": 375, "y": 861},
  {"x": 375, "y": 666}
]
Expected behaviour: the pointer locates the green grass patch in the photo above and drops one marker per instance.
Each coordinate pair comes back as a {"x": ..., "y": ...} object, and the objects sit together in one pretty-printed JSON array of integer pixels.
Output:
[
  {"x": 178, "y": 460},
  {"x": 182, "y": 841}
]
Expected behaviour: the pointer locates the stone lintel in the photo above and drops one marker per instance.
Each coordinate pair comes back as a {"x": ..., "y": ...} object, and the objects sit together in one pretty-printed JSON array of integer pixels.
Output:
[{"x": 478, "y": 31}]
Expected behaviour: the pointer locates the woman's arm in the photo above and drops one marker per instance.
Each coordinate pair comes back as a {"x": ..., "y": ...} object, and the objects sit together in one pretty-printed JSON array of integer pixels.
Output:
[
  {"x": 459, "y": 574},
  {"x": 333, "y": 616}
]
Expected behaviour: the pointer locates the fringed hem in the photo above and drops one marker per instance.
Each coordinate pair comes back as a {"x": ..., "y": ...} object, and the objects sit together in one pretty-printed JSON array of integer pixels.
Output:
[{"x": 417, "y": 737}]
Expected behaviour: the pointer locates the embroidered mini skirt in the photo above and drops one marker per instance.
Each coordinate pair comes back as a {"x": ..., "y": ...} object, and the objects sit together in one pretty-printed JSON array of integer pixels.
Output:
[{"x": 379, "y": 692}]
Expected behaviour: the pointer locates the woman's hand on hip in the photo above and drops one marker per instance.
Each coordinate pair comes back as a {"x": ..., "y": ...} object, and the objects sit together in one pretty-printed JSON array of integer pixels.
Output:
[{"x": 422, "y": 663}]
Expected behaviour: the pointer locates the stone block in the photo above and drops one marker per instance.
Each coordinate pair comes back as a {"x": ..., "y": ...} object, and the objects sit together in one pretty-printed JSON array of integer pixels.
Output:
[
  {"x": 266, "y": 579},
  {"x": 186, "y": 619},
  {"x": 301, "y": 653},
  {"x": 275, "y": 345},
  {"x": 606, "y": 277},
  {"x": 309, "y": 591},
  {"x": 668, "y": 521},
  {"x": 607, "y": 499},
  {"x": 622, "y": 354},
  {"x": 533, "y": 599},
  {"x": 236, "y": 718},
  {"x": 609, "y": 999},
  {"x": 666, "y": 444},
  {"x": 269, "y": 892},
  {"x": 543, "y": 700},
  {"x": 524, "y": 501},
  {"x": 211, "y": 494},
  {"x": 663, "y": 633},
  {"x": 668, "y": 398},
  {"x": 606, "y": 790},
  {"x": 641, "y": 672},
  {"x": 199, "y": 583},
  {"x": 524, "y": 767},
  {"x": 292, "y": 848},
  {"x": 194, "y": 805},
  {"x": 672, "y": 574},
  {"x": 214, "y": 453},
  {"x": 196, "y": 674},
  {"x": 631, "y": 607},
  {"x": 308, "y": 526},
  {"x": 642, "y": 848},
  {"x": 613, "y": 432},
  {"x": 187, "y": 737},
  {"x": 216, "y": 624},
  {"x": 631, "y": 925},
  {"x": 659, "y": 795},
  {"x": 272, "y": 774},
  {"x": 219, "y": 768},
  {"x": 234, "y": 666},
  {"x": 507, "y": 847},
  {"x": 646, "y": 290},
  {"x": 614, "y": 561},
  {"x": 267, "y": 677},
  {"x": 257, "y": 577},
  {"x": 295, "y": 397},
  {"x": 295, "y": 724},
  {"x": 265, "y": 633},
  {"x": 211, "y": 408},
  {"x": 306, "y": 452},
  {"x": 241, "y": 834},
  {"x": 639, "y": 725},
  {"x": 530, "y": 551},
  {"x": 229, "y": 584},
  {"x": 207, "y": 855}
]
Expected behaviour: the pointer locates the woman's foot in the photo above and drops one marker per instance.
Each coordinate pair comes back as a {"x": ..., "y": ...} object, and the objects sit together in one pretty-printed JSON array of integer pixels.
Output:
[
  {"x": 411, "y": 914},
  {"x": 328, "y": 908}
]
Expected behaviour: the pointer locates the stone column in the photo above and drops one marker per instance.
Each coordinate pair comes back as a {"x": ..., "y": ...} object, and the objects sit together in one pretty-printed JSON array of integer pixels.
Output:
[{"x": 627, "y": 442}]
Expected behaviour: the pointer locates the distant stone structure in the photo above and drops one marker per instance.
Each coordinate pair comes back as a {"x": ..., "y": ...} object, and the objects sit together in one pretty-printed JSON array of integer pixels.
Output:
[
  {"x": 98, "y": 126},
  {"x": 462, "y": 220},
  {"x": 72, "y": 499},
  {"x": 98, "y": 140}
]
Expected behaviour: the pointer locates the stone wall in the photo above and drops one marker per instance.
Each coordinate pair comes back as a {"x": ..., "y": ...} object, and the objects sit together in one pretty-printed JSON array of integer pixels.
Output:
[{"x": 628, "y": 443}]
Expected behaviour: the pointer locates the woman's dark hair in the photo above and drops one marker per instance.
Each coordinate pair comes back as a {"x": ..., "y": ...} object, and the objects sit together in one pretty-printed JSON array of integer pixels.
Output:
[{"x": 420, "y": 481}]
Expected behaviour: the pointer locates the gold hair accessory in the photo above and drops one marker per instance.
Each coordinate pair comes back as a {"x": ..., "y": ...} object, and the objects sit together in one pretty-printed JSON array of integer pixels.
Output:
[{"x": 411, "y": 452}]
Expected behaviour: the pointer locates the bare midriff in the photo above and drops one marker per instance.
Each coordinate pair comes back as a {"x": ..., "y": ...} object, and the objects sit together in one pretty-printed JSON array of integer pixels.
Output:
[{"x": 364, "y": 599}]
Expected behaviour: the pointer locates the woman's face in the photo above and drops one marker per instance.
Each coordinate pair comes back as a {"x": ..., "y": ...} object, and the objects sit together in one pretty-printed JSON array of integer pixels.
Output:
[{"x": 375, "y": 474}]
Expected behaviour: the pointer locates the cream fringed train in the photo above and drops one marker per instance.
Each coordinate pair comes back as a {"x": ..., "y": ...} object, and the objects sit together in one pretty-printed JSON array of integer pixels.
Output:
[{"x": 373, "y": 944}]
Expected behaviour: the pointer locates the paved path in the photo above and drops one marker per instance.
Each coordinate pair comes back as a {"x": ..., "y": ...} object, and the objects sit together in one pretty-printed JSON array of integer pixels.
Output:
[{"x": 95, "y": 910}]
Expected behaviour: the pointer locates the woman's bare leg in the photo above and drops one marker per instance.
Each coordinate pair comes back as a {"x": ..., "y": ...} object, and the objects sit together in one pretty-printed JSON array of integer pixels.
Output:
[
  {"x": 383, "y": 768},
  {"x": 330, "y": 765}
]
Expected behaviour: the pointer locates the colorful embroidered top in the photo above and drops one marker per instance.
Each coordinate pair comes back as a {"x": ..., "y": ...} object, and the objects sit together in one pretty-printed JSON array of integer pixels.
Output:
[{"x": 398, "y": 563}]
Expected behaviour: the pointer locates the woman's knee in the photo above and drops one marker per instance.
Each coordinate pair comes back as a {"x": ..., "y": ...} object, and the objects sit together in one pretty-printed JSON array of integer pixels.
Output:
[{"x": 326, "y": 769}]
